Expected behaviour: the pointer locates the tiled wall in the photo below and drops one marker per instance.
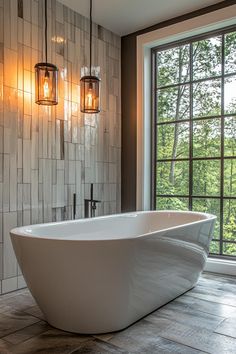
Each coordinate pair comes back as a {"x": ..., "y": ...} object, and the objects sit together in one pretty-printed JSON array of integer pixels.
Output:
[{"x": 49, "y": 153}]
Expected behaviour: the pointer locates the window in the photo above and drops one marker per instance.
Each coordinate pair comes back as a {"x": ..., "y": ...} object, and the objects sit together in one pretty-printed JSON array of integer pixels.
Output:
[{"x": 194, "y": 145}]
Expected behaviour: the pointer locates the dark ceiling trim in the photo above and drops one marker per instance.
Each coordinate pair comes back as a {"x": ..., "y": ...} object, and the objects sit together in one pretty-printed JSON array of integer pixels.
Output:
[{"x": 187, "y": 16}]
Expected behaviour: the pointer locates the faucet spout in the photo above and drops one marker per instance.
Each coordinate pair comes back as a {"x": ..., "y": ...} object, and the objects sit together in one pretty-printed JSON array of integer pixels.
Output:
[{"x": 90, "y": 205}]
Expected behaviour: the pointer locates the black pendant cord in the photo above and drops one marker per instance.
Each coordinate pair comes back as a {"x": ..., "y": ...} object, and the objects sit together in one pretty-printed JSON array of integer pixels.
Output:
[
  {"x": 90, "y": 44},
  {"x": 46, "y": 30}
]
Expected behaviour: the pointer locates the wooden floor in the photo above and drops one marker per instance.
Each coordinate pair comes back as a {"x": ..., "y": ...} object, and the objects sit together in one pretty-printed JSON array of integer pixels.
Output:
[{"x": 200, "y": 321}]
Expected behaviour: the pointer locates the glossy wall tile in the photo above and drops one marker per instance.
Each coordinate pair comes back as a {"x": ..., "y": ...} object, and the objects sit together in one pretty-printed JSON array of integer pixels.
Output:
[{"x": 49, "y": 153}]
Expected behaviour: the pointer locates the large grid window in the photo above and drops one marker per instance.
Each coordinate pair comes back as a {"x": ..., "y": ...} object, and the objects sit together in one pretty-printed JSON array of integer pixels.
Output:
[{"x": 194, "y": 145}]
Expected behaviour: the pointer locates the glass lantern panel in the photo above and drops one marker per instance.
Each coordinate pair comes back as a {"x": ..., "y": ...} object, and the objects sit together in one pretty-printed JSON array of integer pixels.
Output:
[
  {"x": 46, "y": 84},
  {"x": 90, "y": 95}
]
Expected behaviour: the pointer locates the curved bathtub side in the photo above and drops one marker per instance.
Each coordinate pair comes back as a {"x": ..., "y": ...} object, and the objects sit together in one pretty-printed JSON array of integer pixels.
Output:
[
  {"x": 81, "y": 287},
  {"x": 168, "y": 265},
  {"x": 104, "y": 286}
]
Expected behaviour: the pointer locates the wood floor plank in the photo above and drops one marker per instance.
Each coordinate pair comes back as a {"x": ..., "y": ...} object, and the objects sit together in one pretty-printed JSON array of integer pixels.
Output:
[
  {"x": 96, "y": 346},
  {"x": 5, "y": 348},
  {"x": 206, "y": 306},
  {"x": 52, "y": 341},
  {"x": 212, "y": 285},
  {"x": 227, "y": 327},
  {"x": 143, "y": 337},
  {"x": 35, "y": 311},
  {"x": 17, "y": 301},
  {"x": 228, "y": 279},
  {"x": 175, "y": 311},
  {"x": 12, "y": 322},
  {"x": 214, "y": 295},
  {"x": 26, "y": 333},
  {"x": 200, "y": 339}
]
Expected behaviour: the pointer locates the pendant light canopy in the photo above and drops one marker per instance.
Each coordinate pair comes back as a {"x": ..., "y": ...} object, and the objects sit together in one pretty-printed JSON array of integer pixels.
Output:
[
  {"x": 46, "y": 78},
  {"x": 90, "y": 85}
]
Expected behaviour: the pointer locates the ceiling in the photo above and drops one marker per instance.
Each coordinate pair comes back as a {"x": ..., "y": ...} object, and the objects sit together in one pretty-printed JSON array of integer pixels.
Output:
[{"x": 127, "y": 16}]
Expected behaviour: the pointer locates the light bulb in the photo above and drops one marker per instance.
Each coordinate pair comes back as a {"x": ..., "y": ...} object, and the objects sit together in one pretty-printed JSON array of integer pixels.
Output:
[
  {"x": 46, "y": 90},
  {"x": 90, "y": 99}
]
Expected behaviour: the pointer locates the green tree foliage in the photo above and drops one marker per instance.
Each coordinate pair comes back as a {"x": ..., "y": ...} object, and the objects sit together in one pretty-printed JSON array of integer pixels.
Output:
[{"x": 182, "y": 96}]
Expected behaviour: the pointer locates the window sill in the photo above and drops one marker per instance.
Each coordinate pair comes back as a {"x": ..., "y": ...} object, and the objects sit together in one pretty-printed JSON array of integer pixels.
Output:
[{"x": 221, "y": 266}]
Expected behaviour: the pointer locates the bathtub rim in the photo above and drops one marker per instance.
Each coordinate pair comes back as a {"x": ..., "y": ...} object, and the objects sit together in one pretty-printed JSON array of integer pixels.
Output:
[{"x": 22, "y": 230}]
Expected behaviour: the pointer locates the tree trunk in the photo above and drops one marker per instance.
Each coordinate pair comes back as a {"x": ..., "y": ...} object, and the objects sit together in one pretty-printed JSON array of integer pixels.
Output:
[
  {"x": 177, "y": 114},
  {"x": 176, "y": 128}
]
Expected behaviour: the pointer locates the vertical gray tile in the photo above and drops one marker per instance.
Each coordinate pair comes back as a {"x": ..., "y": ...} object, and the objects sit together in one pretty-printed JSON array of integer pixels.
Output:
[
  {"x": 13, "y": 182},
  {"x": 9, "y": 284},
  {"x": 27, "y": 10},
  {"x": 13, "y": 19},
  {"x": 1, "y": 168},
  {"x": 6, "y": 184},
  {"x": 26, "y": 160},
  {"x": 7, "y": 23},
  {"x": 1, "y": 52},
  {"x": 9, "y": 259},
  {"x": 1, "y": 25},
  {"x": 1, "y": 255}
]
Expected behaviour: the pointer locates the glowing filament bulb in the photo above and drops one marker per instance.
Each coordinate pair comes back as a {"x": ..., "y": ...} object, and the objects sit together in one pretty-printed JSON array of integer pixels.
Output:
[
  {"x": 90, "y": 99},
  {"x": 46, "y": 89}
]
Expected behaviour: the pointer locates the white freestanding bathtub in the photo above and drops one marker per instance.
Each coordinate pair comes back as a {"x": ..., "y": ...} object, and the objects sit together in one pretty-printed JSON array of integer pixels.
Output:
[{"x": 101, "y": 275}]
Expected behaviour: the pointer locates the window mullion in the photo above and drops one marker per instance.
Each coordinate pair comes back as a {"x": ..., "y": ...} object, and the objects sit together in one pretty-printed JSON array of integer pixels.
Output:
[
  {"x": 154, "y": 129},
  {"x": 191, "y": 131},
  {"x": 222, "y": 144}
]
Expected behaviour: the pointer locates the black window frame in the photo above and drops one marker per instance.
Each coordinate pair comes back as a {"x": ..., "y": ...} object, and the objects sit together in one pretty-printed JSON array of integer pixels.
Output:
[{"x": 191, "y": 120}]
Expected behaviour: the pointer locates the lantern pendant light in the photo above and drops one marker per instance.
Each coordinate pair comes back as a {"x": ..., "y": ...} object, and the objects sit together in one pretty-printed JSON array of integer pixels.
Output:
[
  {"x": 90, "y": 85},
  {"x": 46, "y": 77}
]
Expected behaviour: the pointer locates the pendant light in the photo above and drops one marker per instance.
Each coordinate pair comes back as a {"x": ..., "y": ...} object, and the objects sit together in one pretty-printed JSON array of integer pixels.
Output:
[
  {"x": 90, "y": 85},
  {"x": 46, "y": 77}
]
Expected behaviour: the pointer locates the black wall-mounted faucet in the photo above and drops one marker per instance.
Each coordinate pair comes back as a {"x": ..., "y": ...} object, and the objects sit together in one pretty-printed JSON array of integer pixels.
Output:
[
  {"x": 74, "y": 205},
  {"x": 90, "y": 205}
]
